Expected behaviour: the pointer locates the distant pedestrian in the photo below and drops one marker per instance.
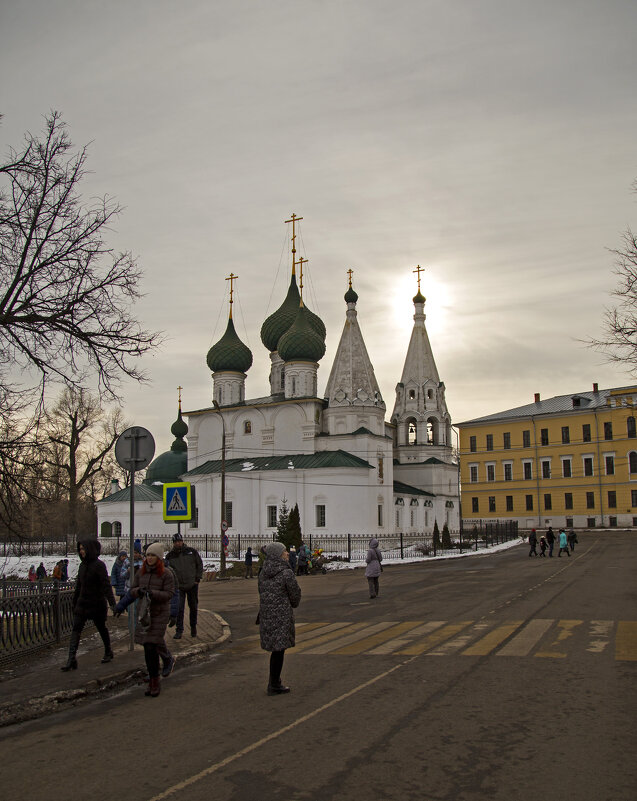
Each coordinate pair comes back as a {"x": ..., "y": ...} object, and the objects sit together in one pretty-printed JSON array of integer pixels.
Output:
[
  {"x": 32, "y": 573},
  {"x": 543, "y": 546},
  {"x": 57, "y": 571},
  {"x": 563, "y": 543},
  {"x": 155, "y": 585},
  {"x": 279, "y": 593},
  {"x": 118, "y": 574},
  {"x": 248, "y": 563},
  {"x": 292, "y": 558},
  {"x": 572, "y": 539},
  {"x": 374, "y": 568},
  {"x": 550, "y": 538},
  {"x": 188, "y": 567},
  {"x": 65, "y": 570},
  {"x": 303, "y": 559},
  {"x": 532, "y": 543},
  {"x": 40, "y": 573},
  {"x": 93, "y": 594}
]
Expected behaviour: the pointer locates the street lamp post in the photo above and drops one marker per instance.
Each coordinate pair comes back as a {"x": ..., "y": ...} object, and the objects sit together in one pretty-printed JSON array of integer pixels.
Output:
[
  {"x": 222, "y": 551},
  {"x": 457, "y": 433}
]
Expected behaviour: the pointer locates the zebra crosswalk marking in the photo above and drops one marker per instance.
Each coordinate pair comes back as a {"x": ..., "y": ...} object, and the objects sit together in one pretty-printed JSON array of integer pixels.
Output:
[
  {"x": 390, "y": 632},
  {"x": 342, "y": 644},
  {"x": 461, "y": 641},
  {"x": 566, "y": 630},
  {"x": 400, "y": 642},
  {"x": 319, "y": 629},
  {"x": 435, "y": 638},
  {"x": 626, "y": 641},
  {"x": 600, "y": 631},
  {"x": 347, "y": 628},
  {"x": 490, "y": 641},
  {"x": 522, "y": 644}
]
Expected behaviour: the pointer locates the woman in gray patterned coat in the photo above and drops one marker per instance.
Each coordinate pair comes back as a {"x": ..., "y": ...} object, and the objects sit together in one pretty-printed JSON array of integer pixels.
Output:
[
  {"x": 279, "y": 592},
  {"x": 373, "y": 570}
]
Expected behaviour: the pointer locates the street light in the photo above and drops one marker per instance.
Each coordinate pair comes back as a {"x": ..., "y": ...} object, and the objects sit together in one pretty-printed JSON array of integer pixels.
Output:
[
  {"x": 457, "y": 433},
  {"x": 222, "y": 551}
]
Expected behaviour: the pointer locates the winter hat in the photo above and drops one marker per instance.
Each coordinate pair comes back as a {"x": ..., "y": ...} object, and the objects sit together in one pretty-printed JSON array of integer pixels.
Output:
[
  {"x": 122, "y": 553},
  {"x": 177, "y": 538},
  {"x": 275, "y": 550},
  {"x": 155, "y": 549},
  {"x": 137, "y": 546}
]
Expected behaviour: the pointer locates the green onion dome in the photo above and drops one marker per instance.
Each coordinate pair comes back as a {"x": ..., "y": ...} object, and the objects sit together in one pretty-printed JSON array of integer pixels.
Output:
[
  {"x": 179, "y": 429},
  {"x": 351, "y": 296},
  {"x": 229, "y": 353},
  {"x": 280, "y": 321},
  {"x": 419, "y": 297},
  {"x": 170, "y": 465},
  {"x": 301, "y": 341}
]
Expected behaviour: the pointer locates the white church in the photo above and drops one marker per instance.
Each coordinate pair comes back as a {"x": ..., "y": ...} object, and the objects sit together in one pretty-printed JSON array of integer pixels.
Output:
[{"x": 335, "y": 455}]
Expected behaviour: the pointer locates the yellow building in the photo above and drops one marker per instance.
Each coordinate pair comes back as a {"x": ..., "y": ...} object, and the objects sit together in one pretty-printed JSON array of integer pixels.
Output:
[{"x": 569, "y": 461}]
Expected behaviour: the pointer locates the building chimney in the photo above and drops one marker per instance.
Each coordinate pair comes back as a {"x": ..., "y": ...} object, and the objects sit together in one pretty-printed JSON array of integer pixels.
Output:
[
  {"x": 595, "y": 388},
  {"x": 537, "y": 397}
]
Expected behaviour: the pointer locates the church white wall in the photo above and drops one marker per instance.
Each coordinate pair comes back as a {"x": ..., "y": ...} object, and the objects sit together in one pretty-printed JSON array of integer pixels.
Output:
[{"x": 148, "y": 518}]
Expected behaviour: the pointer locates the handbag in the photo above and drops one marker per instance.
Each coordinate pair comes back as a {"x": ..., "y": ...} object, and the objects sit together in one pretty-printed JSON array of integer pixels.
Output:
[{"x": 143, "y": 613}]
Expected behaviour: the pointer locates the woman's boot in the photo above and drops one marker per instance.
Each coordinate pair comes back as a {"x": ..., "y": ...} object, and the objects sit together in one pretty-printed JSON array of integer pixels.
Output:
[
  {"x": 153, "y": 687},
  {"x": 71, "y": 662},
  {"x": 108, "y": 655}
]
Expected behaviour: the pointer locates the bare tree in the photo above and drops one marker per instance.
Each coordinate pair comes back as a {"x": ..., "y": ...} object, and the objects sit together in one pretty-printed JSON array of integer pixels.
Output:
[
  {"x": 80, "y": 435},
  {"x": 619, "y": 342},
  {"x": 66, "y": 298}
]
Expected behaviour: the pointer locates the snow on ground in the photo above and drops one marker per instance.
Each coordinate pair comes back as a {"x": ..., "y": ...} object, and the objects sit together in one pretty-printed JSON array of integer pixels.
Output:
[{"x": 18, "y": 566}]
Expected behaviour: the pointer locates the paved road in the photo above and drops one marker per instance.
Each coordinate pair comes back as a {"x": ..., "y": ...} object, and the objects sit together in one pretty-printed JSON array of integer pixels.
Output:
[{"x": 492, "y": 678}]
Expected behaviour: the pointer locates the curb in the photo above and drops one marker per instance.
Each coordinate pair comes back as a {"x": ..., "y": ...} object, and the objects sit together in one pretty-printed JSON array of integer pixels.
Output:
[{"x": 22, "y": 711}]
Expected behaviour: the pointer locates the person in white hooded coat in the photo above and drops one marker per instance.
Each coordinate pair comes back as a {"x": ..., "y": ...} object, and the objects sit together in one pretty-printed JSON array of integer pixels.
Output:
[{"x": 374, "y": 569}]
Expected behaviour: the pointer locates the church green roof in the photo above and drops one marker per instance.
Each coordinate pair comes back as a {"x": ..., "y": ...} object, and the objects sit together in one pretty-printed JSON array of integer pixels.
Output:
[
  {"x": 302, "y": 461},
  {"x": 229, "y": 353},
  {"x": 143, "y": 492}
]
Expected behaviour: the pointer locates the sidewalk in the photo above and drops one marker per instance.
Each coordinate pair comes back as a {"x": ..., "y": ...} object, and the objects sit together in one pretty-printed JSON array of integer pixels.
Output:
[{"x": 35, "y": 686}]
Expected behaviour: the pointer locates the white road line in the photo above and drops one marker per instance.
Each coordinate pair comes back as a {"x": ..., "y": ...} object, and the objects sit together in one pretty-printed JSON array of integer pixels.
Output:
[{"x": 273, "y": 736}]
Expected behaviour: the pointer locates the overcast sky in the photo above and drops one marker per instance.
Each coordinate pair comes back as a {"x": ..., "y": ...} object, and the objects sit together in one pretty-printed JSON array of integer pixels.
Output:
[{"x": 490, "y": 141}]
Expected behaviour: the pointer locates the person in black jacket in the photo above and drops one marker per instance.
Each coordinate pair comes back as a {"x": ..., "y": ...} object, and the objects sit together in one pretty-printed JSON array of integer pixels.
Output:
[
  {"x": 188, "y": 568},
  {"x": 93, "y": 595}
]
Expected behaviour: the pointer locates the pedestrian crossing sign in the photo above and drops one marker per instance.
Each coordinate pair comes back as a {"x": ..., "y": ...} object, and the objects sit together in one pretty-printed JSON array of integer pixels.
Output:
[{"x": 177, "y": 501}]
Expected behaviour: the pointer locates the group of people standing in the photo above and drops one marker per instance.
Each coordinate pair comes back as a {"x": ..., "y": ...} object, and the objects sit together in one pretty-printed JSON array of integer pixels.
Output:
[
  {"x": 161, "y": 584},
  {"x": 566, "y": 542}
]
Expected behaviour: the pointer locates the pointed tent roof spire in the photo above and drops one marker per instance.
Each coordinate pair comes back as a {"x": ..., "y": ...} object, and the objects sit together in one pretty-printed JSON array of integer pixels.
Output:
[{"x": 352, "y": 379}]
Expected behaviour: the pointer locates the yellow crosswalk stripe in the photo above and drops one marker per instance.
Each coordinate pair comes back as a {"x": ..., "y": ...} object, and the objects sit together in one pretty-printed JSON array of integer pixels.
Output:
[
  {"x": 524, "y": 642},
  {"x": 626, "y": 641},
  {"x": 318, "y": 629},
  {"x": 401, "y": 642},
  {"x": 566, "y": 630},
  {"x": 600, "y": 631},
  {"x": 492, "y": 639},
  {"x": 375, "y": 639},
  {"x": 340, "y": 645},
  {"x": 435, "y": 638},
  {"x": 348, "y": 628},
  {"x": 461, "y": 641}
]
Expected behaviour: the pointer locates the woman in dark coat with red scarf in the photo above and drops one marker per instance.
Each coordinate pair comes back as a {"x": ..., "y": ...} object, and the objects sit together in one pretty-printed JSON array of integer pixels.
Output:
[{"x": 158, "y": 584}]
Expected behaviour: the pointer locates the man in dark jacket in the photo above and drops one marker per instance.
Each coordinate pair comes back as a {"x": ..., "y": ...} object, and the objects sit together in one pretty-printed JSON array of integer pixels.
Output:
[{"x": 188, "y": 568}]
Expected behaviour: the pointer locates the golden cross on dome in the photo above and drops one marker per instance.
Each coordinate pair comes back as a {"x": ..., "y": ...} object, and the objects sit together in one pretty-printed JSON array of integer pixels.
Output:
[
  {"x": 350, "y": 272},
  {"x": 179, "y": 388},
  {"x": 419, "y": 270},
  {"x": 301, "y": 262},
  {"x": 294, "y": 219},
  {"x": 232, "y": 278}
]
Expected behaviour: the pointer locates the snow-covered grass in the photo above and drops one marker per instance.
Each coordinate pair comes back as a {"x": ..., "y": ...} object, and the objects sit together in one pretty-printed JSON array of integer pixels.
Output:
[{"x": 18, "y": 566}]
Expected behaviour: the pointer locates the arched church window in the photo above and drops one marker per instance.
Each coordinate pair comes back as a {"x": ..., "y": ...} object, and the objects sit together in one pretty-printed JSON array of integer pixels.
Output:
[
  {"x": 432, "y": 431},
  {"x": 282, "y": 379},
  {"x": 117, "y": 529},
  {"x": 247, "y": 427},
  {"x": 293, "y": 385},
  {"x": 411, "y": 433},
  {"x": 632, "y": 462},
  {"x": 106, "y": 530},
  {"x": 430, "y": 393},
  {"x": 412, "y": 394},
  {"x": 630, "y": 427}
]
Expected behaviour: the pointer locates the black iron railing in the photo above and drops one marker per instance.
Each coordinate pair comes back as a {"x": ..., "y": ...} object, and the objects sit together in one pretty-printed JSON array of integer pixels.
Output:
[{"x": 33, "y": 615}]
